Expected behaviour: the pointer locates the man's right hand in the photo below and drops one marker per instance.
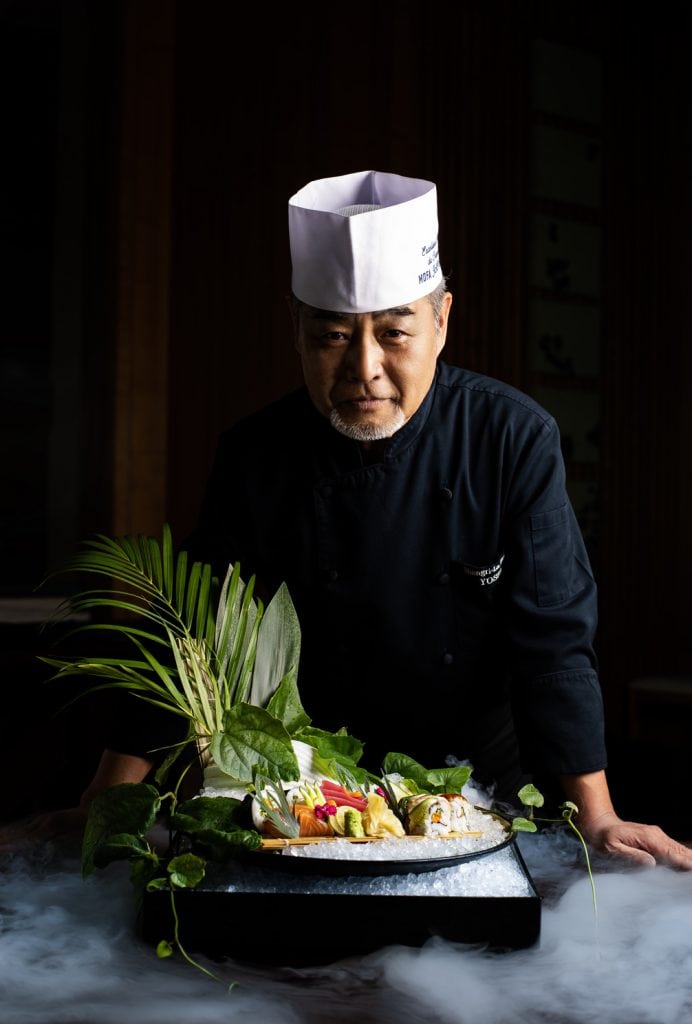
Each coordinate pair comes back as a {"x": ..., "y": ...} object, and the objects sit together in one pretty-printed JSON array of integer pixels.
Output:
[
  {"x": 113, "y": 768},
  {"x": 40, "y": 828}
]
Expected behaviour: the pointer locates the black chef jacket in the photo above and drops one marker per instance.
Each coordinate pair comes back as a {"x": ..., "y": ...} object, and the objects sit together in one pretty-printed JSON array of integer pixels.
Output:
[
  {"x": 442, "y": 585},
  {"x": 441, "y": 582}
]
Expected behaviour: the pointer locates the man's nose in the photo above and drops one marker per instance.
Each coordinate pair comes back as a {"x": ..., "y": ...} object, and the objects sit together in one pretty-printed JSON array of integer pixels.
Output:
[{"x": 363, "y": 357}]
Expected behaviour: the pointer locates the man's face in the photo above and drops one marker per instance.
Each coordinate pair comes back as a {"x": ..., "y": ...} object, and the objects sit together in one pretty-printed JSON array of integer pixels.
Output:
[{"x": 369, "y": 372}]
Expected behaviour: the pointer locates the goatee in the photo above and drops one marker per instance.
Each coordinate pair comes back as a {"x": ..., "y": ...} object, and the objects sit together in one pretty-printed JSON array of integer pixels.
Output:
[{"x": 368, "y": 431}]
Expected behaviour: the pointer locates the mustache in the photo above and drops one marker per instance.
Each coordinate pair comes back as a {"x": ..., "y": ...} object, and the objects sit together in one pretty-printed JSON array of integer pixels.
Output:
[{"x": 363, "y": 395}]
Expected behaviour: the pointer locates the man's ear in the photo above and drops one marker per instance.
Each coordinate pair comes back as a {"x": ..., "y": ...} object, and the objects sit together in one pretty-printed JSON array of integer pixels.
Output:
[{"x": 443, "y": 321}]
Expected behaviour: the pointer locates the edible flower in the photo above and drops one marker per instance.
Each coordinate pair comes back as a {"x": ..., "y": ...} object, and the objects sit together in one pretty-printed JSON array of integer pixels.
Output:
[{"x": 324, "y": 810}]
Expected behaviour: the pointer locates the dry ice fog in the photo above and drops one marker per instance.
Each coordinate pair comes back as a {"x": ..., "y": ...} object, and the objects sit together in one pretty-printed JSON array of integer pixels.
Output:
[{"x": 69, "y": 955}]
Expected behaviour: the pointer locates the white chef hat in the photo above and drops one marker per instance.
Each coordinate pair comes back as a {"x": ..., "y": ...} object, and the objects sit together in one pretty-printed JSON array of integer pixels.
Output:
[{"x": 364, "y": 242}]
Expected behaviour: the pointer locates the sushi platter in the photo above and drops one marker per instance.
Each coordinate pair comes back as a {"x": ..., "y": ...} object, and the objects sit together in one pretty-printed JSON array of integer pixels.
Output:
[
  {"x": 412, "y": 862},
  {"x": 286, "y": 812}
]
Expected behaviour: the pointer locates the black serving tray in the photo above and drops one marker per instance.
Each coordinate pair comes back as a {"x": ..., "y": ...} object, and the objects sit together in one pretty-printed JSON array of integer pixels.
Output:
[{"x": 301, "y": 929}]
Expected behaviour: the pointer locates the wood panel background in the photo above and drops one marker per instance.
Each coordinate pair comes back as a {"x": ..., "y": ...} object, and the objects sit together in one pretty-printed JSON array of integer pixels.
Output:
[{"x": 381, "y": 86}]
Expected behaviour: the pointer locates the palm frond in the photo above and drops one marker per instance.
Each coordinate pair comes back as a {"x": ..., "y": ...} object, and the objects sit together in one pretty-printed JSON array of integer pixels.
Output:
[
  {"x": 190, "y": 691},
  {"x": 193, "y": 586},
  {"x": 161, "y": 603},
  {"x": 167, "y": 546},
  {"x": 180, "y": 582},
  {"x": 202, "y": 616},
  {"x": 238, "y": 616}
]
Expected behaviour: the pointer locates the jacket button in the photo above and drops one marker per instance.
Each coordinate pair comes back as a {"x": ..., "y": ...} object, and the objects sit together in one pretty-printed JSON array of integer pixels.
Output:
[
  {"x": 443, "y": 578},
  {"x": 446, "y": 494},
  {"x": 447, "y": 658},
  {"x": 332, "y": 575}
]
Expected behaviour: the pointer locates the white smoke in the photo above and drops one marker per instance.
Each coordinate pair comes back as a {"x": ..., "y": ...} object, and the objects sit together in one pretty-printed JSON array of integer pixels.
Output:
[{"x": 69, "y": 955}]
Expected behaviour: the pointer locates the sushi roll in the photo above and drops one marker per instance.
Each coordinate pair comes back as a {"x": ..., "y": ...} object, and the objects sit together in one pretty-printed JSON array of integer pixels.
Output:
[
  {"x": 459, "y": 807},
  {"x": 427, "y": 815}
]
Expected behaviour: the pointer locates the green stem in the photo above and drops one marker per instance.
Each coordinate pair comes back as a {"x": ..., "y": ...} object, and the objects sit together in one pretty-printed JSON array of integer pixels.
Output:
[
  {"x": 568, "y": 818},
  {"x": 186, "y": 955},
  {"x": 588, "y": 862}
]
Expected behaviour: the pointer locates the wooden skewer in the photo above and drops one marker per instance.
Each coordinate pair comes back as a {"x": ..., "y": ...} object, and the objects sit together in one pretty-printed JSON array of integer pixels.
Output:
[{"x": 282, "y": 843}]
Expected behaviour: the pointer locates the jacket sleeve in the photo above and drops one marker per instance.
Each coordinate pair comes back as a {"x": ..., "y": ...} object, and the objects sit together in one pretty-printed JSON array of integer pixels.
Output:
[{"x": 550, "y": 609}]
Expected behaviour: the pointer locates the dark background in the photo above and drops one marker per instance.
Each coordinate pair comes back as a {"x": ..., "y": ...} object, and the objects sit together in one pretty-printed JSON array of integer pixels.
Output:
[{"x": 149, "y": 149}]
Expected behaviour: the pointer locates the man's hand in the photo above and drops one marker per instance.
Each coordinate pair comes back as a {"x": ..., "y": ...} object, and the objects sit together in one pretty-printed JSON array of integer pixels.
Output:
[
  {"x": 113, "y": 768},
  {"x": 41, "y": 828},
  {"x": 646, "y": 845},
  {"x": 598, "y": 822}
]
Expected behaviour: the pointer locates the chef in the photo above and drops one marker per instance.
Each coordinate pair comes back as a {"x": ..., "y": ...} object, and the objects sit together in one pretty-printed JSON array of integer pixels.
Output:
[{"x": 418, "y": 514}]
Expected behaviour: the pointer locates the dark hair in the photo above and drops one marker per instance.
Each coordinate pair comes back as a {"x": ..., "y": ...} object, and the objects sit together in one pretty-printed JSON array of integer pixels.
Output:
[{"x": 436, "y": 298}]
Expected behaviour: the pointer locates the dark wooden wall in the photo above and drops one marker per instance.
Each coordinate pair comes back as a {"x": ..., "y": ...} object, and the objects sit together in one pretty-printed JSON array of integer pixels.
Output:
[
  {"x": 646, "y": 469},
  {"x": 331, "y": 91}
]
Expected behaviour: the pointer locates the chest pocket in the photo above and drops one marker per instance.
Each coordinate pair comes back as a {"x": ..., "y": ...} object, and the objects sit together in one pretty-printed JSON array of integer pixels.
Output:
[{"x": 475, "y": 588}]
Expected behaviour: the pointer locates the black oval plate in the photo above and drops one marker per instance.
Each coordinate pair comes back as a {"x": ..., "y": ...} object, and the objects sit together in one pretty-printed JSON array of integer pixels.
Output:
[{"x": 337, "y": 867}]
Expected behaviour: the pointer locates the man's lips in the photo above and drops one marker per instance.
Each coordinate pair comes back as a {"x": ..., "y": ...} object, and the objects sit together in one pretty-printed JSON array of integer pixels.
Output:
[
  {"x": 363, "y": 403},
  {"x": 362, "y": 407}
]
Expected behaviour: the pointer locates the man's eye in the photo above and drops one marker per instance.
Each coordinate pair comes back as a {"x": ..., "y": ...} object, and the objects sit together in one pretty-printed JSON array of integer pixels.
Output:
[
  {"x": 334, "y": 337},
  {"x": 393, "y": 334}
]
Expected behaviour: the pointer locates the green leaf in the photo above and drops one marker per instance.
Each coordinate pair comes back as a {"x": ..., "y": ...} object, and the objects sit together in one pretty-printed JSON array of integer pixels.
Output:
[
  {"x": 156, "y": 884},
  {"x": 285, "y": 705},
  {"x": 218, "y": 845},
  {"x": 169, "y": 760},
  {"x": 180, "y": 581},
  {"x": 196, "y": 696},
  {"x": 163, "y": 674},
  {"x": 218, "y": 812},
  {"x": 192, "y": 592},
  {"x": 568, "y": 809},
  {"x": 350, "y": 776},
  {"x": 186, "y": 871},
  {"x": 241, "y": 687},
  {"x": 449, "y": 780},
  {"x": 426, "y": 780},
  {"x": 404, "y": 765},
  {"x": 143, "y": 870},
  {"x": 231, "y": 637},
  {"x": 237, "y": 625},
  {"x": 130, "y": 807},
  {"x": 338, "y": 746},
  {"x": 167, "y": 545},
  {"x": 273, "y": 802},
  {"x": 164, "y": 949},
  {"x": 278, "y": 647},
  {"x": 203, "y": 602},
  {"x": 213, "y": 825},
  {"x": 530, "y": 796},
  {"x": 152, "y": 545},
  {"x": 122, "y": 629},
  {"x": 122, "y": 846},
  {"x": 252, "y": 736},
  {"x": 523, "y": 825}
]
